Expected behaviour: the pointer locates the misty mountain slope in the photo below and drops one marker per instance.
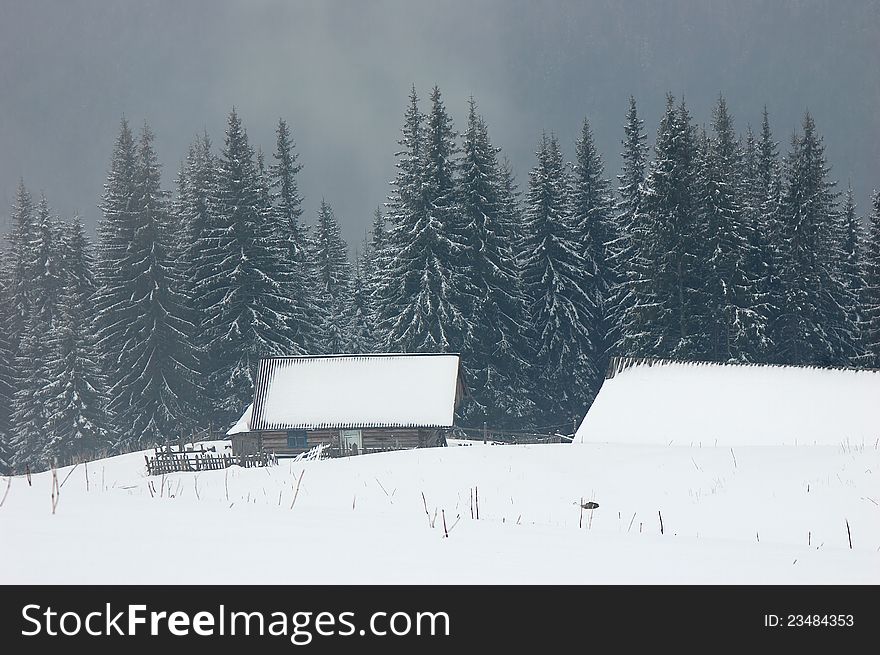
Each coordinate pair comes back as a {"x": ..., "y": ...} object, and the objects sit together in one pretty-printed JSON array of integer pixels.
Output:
[{"x": 743, "y": 515}]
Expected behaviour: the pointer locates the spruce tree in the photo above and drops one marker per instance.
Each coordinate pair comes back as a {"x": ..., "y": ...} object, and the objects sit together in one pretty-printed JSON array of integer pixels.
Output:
[
  {"x": 632, "y": 297},
  {"x": 151, "y": 385},
  {"x": 769, "y": 231},
  {"x": 851, "y": 276},
  {"x": 242, "y": 281},
  {"x": 556, "y": 279},
  {"x": 421, "y": 297},
  {"x": 333, "y": 270},
  {"x": 494, "y": 361},
  {"x": 676, "y": 307},
  {"x": 870, "y": 301},
  {"x": 32, "y": 397},
  {"x": 116, "y": 231},
  {"x": 77, "y": 418},
  {"x": 735, "y": 323},
  {"x": 18, "y": 265},
  {"x": 194, "y": 217},
  {"x": 7, "y": 380},
  {"x": 593, "y": 219},
  {"x": 359, "y": 329},
  {"x": 287, "y": 202},
  {"x": 816, "y": 327}
]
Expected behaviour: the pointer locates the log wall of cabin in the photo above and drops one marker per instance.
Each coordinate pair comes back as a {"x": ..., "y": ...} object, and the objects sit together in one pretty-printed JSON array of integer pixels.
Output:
[{"x": 373, "y": 439}]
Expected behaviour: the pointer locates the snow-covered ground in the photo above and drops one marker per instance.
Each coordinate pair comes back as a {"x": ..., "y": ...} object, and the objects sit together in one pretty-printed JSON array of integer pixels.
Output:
[{"x": 771, "y": 514}]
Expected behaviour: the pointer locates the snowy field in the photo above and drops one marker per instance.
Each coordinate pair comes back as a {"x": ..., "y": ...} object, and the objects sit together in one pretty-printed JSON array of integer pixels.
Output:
[{"x": 746, "y": 514}]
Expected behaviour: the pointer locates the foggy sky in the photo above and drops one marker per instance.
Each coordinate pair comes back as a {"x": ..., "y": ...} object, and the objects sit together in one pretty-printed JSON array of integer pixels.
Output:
[{"x": 339, "y": 73}]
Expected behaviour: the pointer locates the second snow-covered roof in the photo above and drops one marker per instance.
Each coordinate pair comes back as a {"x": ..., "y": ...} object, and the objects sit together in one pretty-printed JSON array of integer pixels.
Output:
[
  {"x": 682, "y": 403},
  {"x": 355, "y": 391}
]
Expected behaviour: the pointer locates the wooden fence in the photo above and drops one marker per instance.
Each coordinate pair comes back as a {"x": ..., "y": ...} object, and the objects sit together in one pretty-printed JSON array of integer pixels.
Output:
[
  {"x": 512, "y": 437},
  {"x": 169, "y": 460}
]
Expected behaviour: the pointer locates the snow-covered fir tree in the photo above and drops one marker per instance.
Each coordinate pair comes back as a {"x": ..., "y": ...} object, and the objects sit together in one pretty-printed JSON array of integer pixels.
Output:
[
  {"x": 77, "y": 421},
  {"x": 632, "y": 296},
  {"x": 556, "y": 282},
  {"x": 815, "y": 323},
  {"x": 150, "y": 387},
  {"x": 373, "y": 260},
  {"x": 850, "y": 274},
  {"x": 676, "y": 306},
  {"x": 112, "y": 270},
  {"x": 193, "y": 216},
  {"x": 287, "y": 202},
  {"x": 421, "y": 298},
  {"x": 360, "y": 332},
  {"x": 870, "y": 301},
  {"x": 736, "y": 327},
  {"x": 494, "y": 361},
  {"x": 333, "y": 274},
  {"x": 32, "y": 397},
  {"x": 758, "y": 255},
  {"x": 17, "y": 265},
  {"x": 593, "y": 219},
  {"x": 7, "y": 381},
  {"x": 243, "y": 280},
  {"x": 769, "y": 230}
]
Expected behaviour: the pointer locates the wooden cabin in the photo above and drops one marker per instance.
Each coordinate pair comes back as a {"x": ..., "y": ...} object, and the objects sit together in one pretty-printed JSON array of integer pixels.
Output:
[{"x": 352, "y": 403}]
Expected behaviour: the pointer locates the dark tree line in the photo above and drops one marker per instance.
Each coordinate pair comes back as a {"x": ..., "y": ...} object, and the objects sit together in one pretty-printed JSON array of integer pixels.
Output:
[{"x": 715, "y": 247}]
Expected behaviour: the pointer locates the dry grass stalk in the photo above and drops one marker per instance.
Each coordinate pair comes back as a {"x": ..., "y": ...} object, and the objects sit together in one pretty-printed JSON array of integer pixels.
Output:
[
  {"x": 6, "y": 492},
  {"x": 477, "y": 500},
  {"x": 427, "y": 513},
  {"x": 56, "y": 490},
  {"x": 68, "y": 474},
  {"x": 296, "y": 491}
]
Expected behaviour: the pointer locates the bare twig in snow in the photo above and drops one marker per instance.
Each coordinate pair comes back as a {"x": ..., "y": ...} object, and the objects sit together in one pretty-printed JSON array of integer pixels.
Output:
[
  {"x": 296, "y": 491},
  {"x": 477, "y": 501},
  {"x": 445, "y": 531},
  {"x": 427, "y": 513},
  {"x": 27, "y": 472},
  {"x": 631, "y": 522},
  {"x": 196, "y": 487},
  {"x": 56, "y": 490},
  {"x": 68, "y": 475},
  {"x": 6, "y": 492},
  {"x": 848, "y": 534},
  {"x": 661, "y": 521},
  {"x": 86, "y": 466},
  {"x": 732, "y": 454},
  {"x": 581, "y": 517}
]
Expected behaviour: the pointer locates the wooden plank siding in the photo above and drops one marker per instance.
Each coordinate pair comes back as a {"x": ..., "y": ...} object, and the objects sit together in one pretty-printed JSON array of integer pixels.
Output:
[{"x": 373, "y": 439}]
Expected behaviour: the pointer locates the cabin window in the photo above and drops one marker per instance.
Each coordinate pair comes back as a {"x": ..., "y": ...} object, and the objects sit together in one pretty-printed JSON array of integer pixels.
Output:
[{"x": 296, "y": 439}]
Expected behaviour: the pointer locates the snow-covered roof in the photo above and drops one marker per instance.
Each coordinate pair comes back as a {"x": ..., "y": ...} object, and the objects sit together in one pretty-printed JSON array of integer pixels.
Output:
[
  {"x": 244, "y": 423},
  {"x": 353, "y": 391},
  {"x": 684, "y": 403}
]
